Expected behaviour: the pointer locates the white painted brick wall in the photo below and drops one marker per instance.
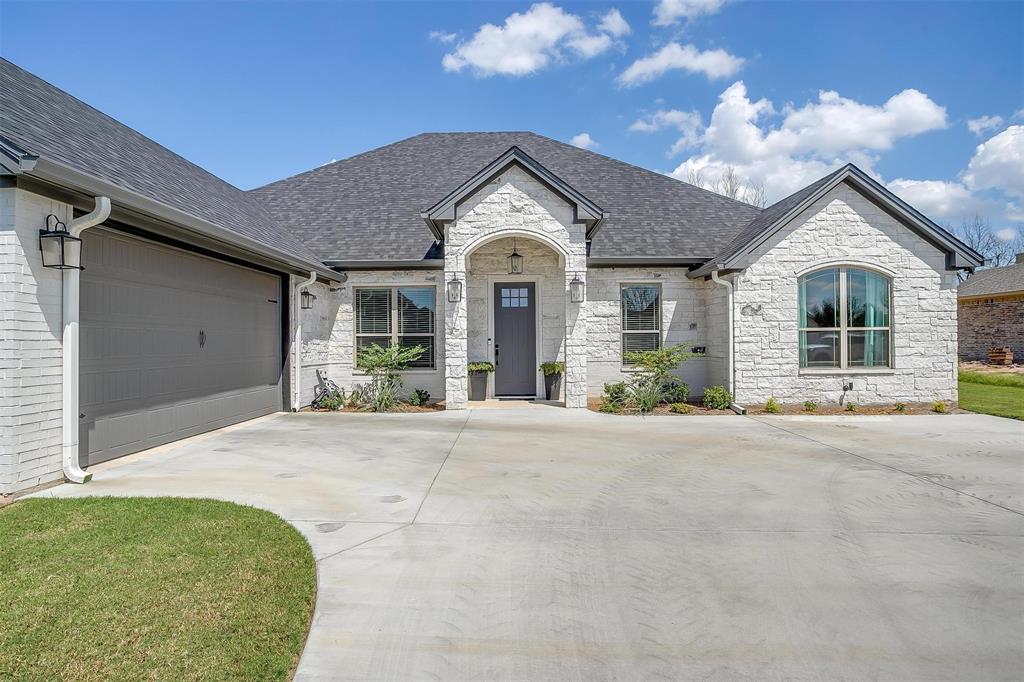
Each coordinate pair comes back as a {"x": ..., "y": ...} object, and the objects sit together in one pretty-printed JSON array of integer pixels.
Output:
[
  {"x": 30, "y": 348},
  {"x": 844, "y": 226}
]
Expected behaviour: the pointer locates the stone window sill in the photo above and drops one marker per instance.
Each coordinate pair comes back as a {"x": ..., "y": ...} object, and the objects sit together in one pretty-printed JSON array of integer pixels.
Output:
[{"x": 847, "y": 372}]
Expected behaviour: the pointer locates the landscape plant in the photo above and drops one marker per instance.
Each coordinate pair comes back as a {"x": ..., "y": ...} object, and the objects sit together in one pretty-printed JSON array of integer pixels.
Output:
[
  {"x": 940, "y": 407},
  {"x": 419, "y": 397},
  {"x": 383, "y": 364},
  {"x": 900, "y": 407},
  {"x": 810, "y": 406},
  {"x": 681, "y": 408},
  {"x": 552, "y": 368},
  {"x": 851, "y": 407},
  {"x": 772, "y": 406},
  {"x": 652, "y": 382},
  {"x": 717, "y": 398}
]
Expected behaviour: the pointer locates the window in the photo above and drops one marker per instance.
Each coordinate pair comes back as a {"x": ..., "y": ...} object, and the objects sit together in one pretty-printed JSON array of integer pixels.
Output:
[
  {"x": 844, "y": 319},
  {"x": 515, "y": 298},
  {"x": 402, "y": 315},
  {"x": 641, "y": 318}
]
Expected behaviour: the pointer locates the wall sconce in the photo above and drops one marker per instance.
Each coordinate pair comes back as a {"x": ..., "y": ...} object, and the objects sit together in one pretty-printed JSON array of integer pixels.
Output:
[
  {"x": 515, "y": 261},
  {"x": 307, "y": 299},
  {"x": 454, "y": 289},
  {"x": 59, "y": 249},
  {"x": 577, "y": 289}
]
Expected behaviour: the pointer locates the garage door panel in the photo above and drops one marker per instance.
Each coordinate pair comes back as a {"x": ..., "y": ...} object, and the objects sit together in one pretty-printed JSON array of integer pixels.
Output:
[{"x": 145, "y": 377}]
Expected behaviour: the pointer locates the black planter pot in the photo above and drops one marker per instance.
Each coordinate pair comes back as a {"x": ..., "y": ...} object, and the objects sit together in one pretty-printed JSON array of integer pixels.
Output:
[
  {"x": 478, "y": 385},
  {"x": 552, "y": 386}
]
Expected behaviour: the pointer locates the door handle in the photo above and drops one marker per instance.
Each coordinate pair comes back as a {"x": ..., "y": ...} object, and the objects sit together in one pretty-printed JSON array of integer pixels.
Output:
[
  {"x": 202, "y": 338},
  {"x": 497, "y": 349}
]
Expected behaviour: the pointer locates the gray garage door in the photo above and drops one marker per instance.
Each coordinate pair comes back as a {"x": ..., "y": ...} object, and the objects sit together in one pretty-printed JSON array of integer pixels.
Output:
[{"x": 172, "y": 344}]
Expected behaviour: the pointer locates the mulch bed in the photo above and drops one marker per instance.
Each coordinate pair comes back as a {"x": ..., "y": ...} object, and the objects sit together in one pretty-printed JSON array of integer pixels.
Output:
[
  {"x": 594, "y": 404},
  {"x": 404, "y": 407}
]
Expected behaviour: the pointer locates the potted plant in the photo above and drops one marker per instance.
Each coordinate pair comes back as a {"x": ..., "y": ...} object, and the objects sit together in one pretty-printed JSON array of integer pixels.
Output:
[
  {"x": 478, "y": 372},
  {"x": 553, "y": 372}
]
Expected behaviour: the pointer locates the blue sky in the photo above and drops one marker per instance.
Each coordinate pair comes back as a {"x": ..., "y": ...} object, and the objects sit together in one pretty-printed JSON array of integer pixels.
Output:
[{"x": 780, "y": 92}]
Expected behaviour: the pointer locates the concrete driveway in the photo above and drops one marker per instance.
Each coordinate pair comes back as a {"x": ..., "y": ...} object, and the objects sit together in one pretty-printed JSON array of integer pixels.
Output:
[{"x": 544, "y": 544}]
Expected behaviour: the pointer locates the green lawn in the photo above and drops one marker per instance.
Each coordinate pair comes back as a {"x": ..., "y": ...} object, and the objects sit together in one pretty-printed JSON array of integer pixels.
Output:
[
  {"x": 1001, "y": 395},
  {"x": 161, "y": 588}
]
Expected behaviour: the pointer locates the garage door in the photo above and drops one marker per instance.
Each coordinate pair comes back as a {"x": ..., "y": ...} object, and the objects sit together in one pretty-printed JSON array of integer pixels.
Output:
[{"x": 172, "y": 344}]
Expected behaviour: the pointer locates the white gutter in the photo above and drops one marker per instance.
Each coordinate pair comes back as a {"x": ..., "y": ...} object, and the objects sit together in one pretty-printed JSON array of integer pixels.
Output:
[
  {"x": 297, "y": 344},
  {"x": 72, "y": 471},
  {"x": 732, "y": 371}
]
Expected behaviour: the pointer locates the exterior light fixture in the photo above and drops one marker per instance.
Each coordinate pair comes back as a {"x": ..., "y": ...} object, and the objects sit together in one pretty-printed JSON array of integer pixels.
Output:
[
  {"x": 454, "y": 289},
  {"x": 515, "y": 261},
  {"x": 59, "y": 249},
  {"x": 577, "y": 289},
  {"x": 307, "y": 299}
]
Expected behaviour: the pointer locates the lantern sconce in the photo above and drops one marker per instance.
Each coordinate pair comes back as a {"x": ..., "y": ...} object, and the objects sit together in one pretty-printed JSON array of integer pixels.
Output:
[
  {"x": 577, "y": 289},
  {"x": 59, "y": 249},
  {"x": 454, "y": 289},
  {"x": 307, "y": 299},
  {"x": 515, "y": 261}
]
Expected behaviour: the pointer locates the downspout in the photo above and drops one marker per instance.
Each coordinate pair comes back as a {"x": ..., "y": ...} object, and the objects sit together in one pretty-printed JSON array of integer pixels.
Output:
[
  {"x": 297, "y": 344},
  {"x": 731, "y": 343},
  {"x": 69, "y": 389}
]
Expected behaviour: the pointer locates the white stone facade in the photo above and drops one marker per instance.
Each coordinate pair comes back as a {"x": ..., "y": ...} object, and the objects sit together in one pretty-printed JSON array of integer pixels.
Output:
[
  {"x": 843, "y": 227},
  {"x": 31, "y": 327}
]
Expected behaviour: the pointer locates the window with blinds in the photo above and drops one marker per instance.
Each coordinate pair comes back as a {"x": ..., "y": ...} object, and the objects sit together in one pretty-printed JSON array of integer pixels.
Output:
[
  {"x": 397, "y": 315},
  {"x": 641, "y": 318}
]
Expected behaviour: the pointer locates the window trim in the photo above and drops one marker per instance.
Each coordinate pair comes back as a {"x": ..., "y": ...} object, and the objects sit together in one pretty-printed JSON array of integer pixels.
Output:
[
  {"x": 393, "y": 323},
  {"x": 626, "y": 367},
  {"x": 844, "y": 327}
]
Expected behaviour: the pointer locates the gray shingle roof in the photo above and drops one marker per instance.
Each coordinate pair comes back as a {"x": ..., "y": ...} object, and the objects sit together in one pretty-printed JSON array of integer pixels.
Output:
[
  {"x": 368, "y": 207},
  {"x": 48, "y": 122},
  {"x": 994, "y": 281}
]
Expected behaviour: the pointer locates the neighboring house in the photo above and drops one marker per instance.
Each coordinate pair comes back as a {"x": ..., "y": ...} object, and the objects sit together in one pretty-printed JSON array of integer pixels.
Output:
[
  {"x": 188, "y": 304},
  {"x": 991, "y": 311}
]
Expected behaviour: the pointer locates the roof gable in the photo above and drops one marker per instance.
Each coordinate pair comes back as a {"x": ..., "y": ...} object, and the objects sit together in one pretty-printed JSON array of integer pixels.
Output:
[
  {"x": 444, "y": 211},
  {"x": 736, "y": 255}
]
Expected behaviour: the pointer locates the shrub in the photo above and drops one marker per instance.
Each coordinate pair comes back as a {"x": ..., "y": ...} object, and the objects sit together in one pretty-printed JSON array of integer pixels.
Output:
[
  {"x": 772, "y": 406},
  {"x": 810, "y": 406},
  {"x": 550, "y": 368},
  {"x": 939, "y": 406},
  {"x": 660, "y": 362},
  {"x": 486, "y": 367},
  {"x": 675, "y": 392},
  {"x": 382, "y": 364},
  {"x": 610, "y": 407},
  {"x": 851, "y": 407},
  {"x": 645, "y": 391},
  {"x": 419, "y": 397},
  {"x": 653, "y": 382},
  {"x": 717, "y": 398},
  {"x": 900, "y": 407},
  {"x": 614, "y": 398},
  {"x": 330, "y": 402},
  {"x": 356, "y": 396},
  {"x": 680, "y": 408}
]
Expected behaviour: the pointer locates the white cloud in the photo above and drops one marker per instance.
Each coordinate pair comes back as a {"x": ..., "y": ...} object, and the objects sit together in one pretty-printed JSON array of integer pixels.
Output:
[
  {"x": 614, "y": 24},
  {"x": 1006, "y": 235},
  {"x": 443, "y": 37},
  {"x": 668, "y": 12},
  {"x": 980, "y": 125},
  {"x": 998, "y": 163},
  {"x": 688, "y": 123},
  {"x": 809, "y": 141},
  {"x": 527, "y": 42},
  {"x": 940, "y": 199},
  {"x": 583, "y": 141},
  {"x": 1018, "y": 115},
  {"x": 675, "y": 57}
]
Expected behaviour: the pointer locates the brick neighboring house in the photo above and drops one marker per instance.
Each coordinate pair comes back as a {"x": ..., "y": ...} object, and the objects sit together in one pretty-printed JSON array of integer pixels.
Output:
[{"x": 991, "y": 311}]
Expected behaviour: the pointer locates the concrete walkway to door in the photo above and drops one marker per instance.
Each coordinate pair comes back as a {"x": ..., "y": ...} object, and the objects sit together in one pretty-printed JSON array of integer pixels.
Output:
[{"x": 547, "y": 544}]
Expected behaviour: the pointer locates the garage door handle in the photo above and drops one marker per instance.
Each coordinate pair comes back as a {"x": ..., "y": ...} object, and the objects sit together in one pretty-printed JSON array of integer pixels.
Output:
[{"x": 202, "y": 339}]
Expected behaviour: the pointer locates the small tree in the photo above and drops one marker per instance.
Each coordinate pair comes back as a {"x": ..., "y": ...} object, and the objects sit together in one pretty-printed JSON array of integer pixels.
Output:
[
  {"x": 654, "y": 382},
  {"x": 382, "y": 364}
]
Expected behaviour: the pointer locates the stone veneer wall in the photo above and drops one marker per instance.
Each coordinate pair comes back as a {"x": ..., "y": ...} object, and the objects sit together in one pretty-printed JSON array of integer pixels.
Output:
[
  {"x": 844, "y": 227},
  {"x": 987, "y": 322},
  {"x": 515, "y": 203},
  {"x": 684, "y": 320},
  {"x": 31, "y": 327},
  {"x": 489, "y": 264},
  {"x": 328, "y": 332}
]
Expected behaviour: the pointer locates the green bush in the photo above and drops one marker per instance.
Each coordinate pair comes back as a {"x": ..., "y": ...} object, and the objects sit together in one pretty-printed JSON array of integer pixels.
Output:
[
  {"x": 900, "y": 407},
  {"x": 675, "y": 392},
  {"x": 330, "y": 403},
  {"x": 810, "y": 406},
  {"x": 419, "y": 397},
  {"x": 645, "y": 392},
  {"x": 717, "y": 398},
  {"x": 381, "y": 363},
  {"x": 486, "y": 367},
  {"x": 851, "y": 407},
  {"x": 609, "y": 407},
  {"x": 660, "y": 362},
  {"x": 550, "y": 368},
  {"x": 939, "y": 406},
  {"x": 614, "y": 398},
  {"x": 772, "y": 406},
  {"x": 680, "y": 408}
]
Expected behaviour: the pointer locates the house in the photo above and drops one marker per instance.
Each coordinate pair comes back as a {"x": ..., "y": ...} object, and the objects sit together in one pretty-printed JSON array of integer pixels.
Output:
[
  {"x": 189, "y": 313},
  {"x": 990, "y": 311}
]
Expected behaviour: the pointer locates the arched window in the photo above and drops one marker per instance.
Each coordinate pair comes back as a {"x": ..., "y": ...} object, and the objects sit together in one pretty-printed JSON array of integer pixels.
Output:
[{"x": 845, "y": 319}]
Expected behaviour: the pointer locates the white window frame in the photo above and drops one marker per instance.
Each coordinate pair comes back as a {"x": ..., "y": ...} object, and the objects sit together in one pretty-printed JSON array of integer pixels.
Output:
[
  {"x": 844, "y": 328},
  {"x": 393, "y": 323},
  {"x": 622, "y": 321}
]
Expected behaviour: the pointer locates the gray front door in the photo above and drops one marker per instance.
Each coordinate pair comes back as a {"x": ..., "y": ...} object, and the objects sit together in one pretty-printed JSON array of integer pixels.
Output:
[
  {"x": 515, "y": 339},
  {"x": 172, "y": 344}
]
